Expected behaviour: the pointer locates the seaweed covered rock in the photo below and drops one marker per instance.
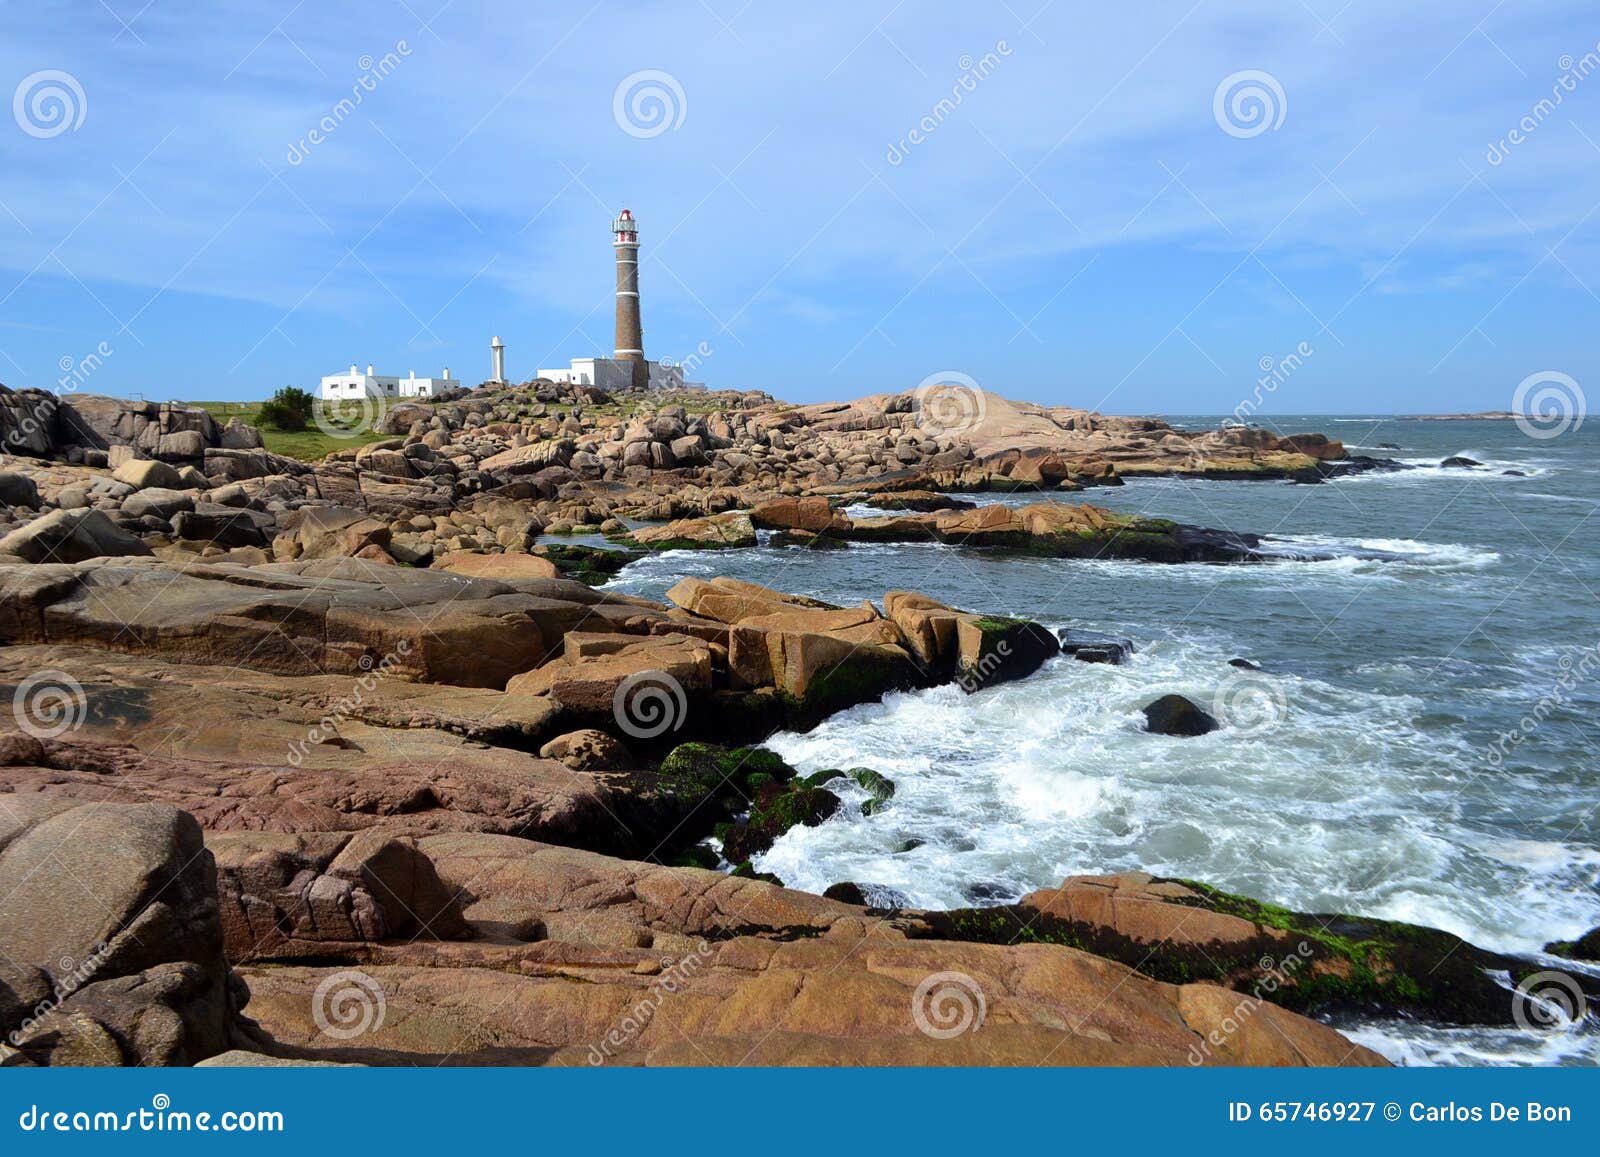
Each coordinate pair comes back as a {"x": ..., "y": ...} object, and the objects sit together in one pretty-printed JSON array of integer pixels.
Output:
[
  {"x": 1585, "y": 947},
  {"x": 1181, "y": 931},
  {"x": 706, "y": 771},
  {"x": 776, "y": 809}
]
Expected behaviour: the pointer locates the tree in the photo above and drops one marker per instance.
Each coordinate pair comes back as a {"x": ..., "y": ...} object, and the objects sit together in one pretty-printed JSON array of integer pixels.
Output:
[{"x": 289, "y": 409}]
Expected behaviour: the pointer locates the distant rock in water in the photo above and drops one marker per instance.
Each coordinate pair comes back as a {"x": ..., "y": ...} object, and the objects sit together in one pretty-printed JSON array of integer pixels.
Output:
[
  {"x": 1459, "y": 463},
  {"x": 1094, "y": 647},
  {"x": 1175, "y": 715},
  {"x": 1244, "y": 664},
  {"x": 867, "y": 895}
]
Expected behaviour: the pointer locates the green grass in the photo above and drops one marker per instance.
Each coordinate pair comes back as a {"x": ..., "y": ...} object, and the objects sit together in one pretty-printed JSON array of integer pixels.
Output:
[{"x": 308, "y": 445}]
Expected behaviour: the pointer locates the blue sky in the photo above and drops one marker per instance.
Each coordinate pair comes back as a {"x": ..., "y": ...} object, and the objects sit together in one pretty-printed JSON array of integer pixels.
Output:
[{"x": 1081, "y": 228}]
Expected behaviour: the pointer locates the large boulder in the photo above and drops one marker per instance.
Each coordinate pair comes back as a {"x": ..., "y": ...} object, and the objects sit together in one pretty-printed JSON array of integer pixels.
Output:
[
  {"x": 117, "y": 906},
  {"x": 588, "y": 960},
  {"x": 140, "y": 473},
  {"x": 1182, "y": 931},
  {"x": 733, "y": 529},
  {"x": 71, "y": 536},
  {"x": 812, "y": 515},
  {"x": 329, "y": 532},
  {"x": 18, "y": 490},
  {"x": 1175, "y": 715},
  {"x": 279, "y": 889},
  {"x": 509, "y": 566}
]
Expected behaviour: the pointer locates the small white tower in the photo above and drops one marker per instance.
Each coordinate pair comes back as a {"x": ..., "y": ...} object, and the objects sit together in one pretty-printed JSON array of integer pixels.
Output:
[{"x": 499, "y": 349}]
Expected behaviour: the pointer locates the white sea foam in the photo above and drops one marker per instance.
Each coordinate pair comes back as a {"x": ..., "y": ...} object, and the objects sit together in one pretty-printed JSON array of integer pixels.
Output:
[
  {"x": 1411, "y": 1044},
  {"x": 1341, "y": 804}
]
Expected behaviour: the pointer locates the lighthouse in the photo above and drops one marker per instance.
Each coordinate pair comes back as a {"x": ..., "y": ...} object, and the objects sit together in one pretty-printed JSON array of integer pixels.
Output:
[
  {"x": 626, "y": 368},
  {"x": 630, "y": 334},
  {"x": 498, "y": 349}
]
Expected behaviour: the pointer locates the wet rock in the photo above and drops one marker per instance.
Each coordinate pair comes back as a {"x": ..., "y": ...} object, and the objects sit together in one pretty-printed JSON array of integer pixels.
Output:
[
  {"x": 1460, "y": 463},
  {"x": 1182, "y": 931},
  {"x": 1175, "y": 715},
  {"x": 1585, "y": 947},
  {"x": 1094, "y": 646}
]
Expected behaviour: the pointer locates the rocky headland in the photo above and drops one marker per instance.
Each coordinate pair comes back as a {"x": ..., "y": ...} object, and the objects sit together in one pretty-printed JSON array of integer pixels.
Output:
[{"x": 356, "y": 760}]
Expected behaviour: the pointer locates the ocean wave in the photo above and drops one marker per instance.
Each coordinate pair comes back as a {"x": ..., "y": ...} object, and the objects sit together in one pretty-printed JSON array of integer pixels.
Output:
[
  {"x": 1429, "y": 469},
  {"x": 1340, "y": 803},
  {"x": 1411, "y": 1044},
  {"x": 1347, "y": 551}
]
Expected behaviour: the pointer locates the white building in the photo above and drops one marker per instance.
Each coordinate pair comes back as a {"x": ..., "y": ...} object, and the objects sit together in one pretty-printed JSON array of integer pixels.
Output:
[
  {"x": 617, "y": 374},
  {"x": 354, "y": 384}
]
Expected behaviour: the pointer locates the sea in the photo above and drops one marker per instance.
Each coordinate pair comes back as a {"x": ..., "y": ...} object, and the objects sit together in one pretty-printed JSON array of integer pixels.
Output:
[{"x": 1419, "y": 743}]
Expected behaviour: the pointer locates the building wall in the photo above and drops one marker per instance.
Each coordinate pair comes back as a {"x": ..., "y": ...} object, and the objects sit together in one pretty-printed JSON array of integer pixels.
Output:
[{"x": 342, "y": 387}]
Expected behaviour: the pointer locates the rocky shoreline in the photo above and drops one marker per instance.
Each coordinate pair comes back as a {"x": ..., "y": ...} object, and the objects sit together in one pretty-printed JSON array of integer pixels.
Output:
[{"x": 359, "y": 766}]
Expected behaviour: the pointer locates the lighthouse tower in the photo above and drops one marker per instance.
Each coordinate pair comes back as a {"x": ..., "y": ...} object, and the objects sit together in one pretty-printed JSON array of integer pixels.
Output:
[{"x": 630, "y": 334}]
